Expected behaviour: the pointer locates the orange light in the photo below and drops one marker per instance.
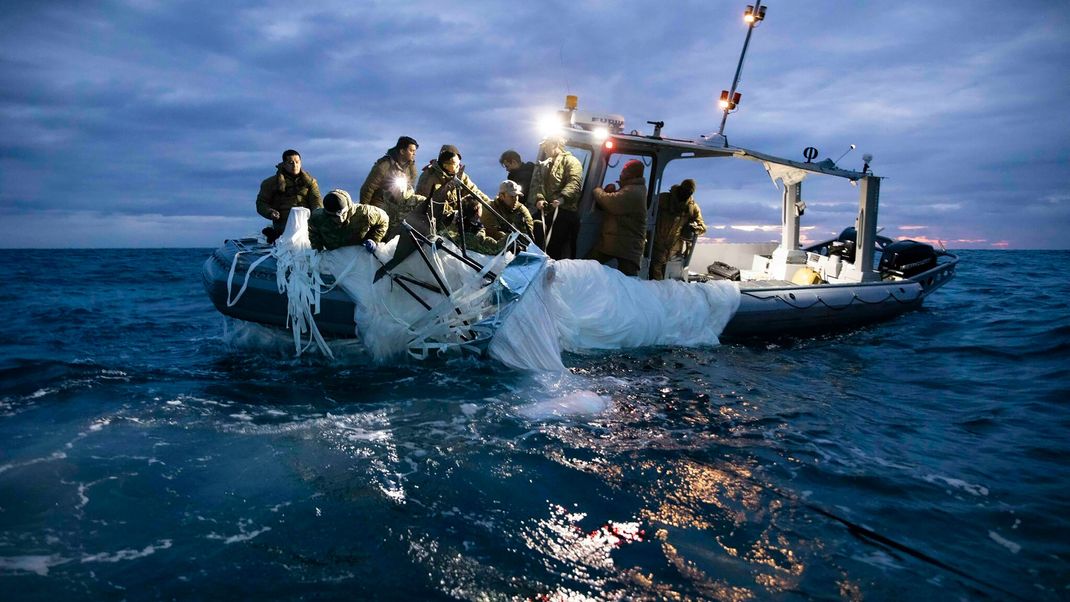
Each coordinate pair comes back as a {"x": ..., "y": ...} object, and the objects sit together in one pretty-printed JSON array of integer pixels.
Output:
[{"x": 609, "y": 144}]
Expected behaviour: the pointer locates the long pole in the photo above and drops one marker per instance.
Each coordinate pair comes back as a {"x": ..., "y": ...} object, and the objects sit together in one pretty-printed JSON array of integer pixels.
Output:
[{"x": 739, "y": 67}]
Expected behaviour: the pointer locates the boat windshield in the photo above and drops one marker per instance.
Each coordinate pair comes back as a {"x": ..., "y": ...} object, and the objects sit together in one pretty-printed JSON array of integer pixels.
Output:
[{"x": 584, "y": 155}]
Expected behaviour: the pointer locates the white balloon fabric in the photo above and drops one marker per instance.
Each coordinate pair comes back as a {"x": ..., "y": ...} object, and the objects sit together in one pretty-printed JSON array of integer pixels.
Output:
[{"x": 570, "y": 305}]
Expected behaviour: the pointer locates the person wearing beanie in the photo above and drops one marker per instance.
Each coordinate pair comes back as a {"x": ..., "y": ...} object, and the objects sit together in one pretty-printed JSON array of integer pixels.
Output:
[
  {"x": 290, "y": 187},
  {"x": 519, "y": 171},
  {"x": 390, "y": 184},
  {"x": 623, "y": 221},
  {"x": 341, "y": 223},
  {"x": 555, "y": 195},
  {"x": 679, "y": 221},
  {"x": 508, "y": 207}
]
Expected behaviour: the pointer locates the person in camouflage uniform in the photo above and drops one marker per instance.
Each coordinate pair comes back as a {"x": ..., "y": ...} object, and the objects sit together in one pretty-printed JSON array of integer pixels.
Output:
[
  {"x": 475, "y": 235},
  {"x": 290, "y": 187},
  {"x": 440, "y": 173},
  {"x": 509, "y": 207},
  {"x": 390, "y": 184},
  {"x": 340, "y": 223},
  {"x": 679, "y": 217},
  {"x": 555, "y": 188}
]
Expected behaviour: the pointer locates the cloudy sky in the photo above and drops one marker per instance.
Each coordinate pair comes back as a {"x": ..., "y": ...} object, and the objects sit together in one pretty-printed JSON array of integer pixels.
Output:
[{"x": 144, "y": 123}]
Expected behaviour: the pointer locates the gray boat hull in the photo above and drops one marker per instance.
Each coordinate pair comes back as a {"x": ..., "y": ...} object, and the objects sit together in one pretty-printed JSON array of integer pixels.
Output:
[{"x": 766, "y": 310}]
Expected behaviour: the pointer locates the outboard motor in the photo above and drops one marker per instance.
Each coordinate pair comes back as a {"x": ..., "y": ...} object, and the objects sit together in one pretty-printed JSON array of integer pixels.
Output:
[
  {"x": 844, "y": 245},
  {"x": 906, "y": 258}
]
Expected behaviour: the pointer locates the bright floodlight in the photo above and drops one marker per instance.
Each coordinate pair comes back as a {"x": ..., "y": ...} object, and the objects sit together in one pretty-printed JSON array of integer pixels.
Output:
[
  {"x": 601, "y": 133},
  {"x": 549, "y": 125},
  {"x": 401, "y": 183}
]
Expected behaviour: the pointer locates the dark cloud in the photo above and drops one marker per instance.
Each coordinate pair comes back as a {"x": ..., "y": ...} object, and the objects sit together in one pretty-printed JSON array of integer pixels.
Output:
[{"x": 143, "y": 113}]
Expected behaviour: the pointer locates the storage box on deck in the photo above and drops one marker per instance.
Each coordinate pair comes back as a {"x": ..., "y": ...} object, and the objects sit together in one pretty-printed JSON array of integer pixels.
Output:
[{"x": 722, "y": 271}]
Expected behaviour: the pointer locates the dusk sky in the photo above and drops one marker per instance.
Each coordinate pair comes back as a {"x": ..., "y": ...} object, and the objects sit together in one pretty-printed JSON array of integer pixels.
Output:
[{"x": 151, "y": 124}]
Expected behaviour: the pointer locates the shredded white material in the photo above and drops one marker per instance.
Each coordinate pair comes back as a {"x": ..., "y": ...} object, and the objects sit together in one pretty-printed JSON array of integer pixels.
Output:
[
  {"x": 298, "y": 276},
  {"x": 571, "y": 305},
  {"x": 583, "y": 305}
]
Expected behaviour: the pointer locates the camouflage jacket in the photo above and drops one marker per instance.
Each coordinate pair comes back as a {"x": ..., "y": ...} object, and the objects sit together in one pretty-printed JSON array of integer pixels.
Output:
[
  {"x": 557, "y": 178},
  {"x": 433, "y": 179},
  {"x": 380, "y": 190},
  {"x": 359, "y": 223},
  {"x": 518, "y": 216},
  {"x": 478, "y": 241},
  {"x": 674, "y": 215}
]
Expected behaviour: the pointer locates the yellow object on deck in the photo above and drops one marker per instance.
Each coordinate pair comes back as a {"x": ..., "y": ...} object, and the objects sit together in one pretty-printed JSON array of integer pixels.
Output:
[{"x": 806, "y": 276}]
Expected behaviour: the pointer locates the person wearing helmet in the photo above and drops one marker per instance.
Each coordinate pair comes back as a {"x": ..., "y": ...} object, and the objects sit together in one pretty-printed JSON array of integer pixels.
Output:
[
  {"x": 390, "y": 184},
  {"x": 555, "y": 195},
  {"x": 624, "y": 222},
  {"x": 507, "y": 204},
  {"x": 341, "y": 223},
  {"x": 290, "y": 187}
]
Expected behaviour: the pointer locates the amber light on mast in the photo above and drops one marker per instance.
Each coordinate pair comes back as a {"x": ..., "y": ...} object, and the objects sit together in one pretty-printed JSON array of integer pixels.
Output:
[{"x": 754, "y": 14}]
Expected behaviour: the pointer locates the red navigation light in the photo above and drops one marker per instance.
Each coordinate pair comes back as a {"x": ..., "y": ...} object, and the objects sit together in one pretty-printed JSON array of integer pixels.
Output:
[
  {"x": 729, "y": 104},
  {"x": 609, "y": 145}
]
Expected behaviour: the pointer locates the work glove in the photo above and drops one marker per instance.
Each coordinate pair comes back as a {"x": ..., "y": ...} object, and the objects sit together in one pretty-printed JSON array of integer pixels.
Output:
[{"x": 369, "y": 246}]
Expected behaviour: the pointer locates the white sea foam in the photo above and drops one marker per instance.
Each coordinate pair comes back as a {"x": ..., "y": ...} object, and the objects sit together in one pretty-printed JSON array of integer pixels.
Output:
[
  {"x": 31, "y": 564},
  {"x": 577, "y": 403},
  {"x": 53, "y": 456},
  {"x": 122, "y": 555},
  {"x": 970, "y": 488},
  {"x": 1003, "y": 541}
]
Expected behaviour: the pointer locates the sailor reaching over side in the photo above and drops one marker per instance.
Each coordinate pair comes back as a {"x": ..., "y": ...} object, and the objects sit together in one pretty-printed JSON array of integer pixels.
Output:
[{"x": 340, "y": 223}]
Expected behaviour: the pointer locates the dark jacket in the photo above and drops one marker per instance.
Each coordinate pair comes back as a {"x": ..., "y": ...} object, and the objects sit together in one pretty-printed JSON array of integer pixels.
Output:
[
  {"x": 624, "y": 222},
  {"x": 522, "y": 175},
  {"x": 283, "y": 192}
]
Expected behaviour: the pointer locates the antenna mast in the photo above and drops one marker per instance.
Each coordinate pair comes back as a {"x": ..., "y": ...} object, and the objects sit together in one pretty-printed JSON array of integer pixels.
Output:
[{"x": 754, "y": 14}]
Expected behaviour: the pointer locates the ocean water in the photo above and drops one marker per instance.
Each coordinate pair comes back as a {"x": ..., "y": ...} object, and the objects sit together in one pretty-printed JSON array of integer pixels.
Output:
[{"x": 148, "y": 450}]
